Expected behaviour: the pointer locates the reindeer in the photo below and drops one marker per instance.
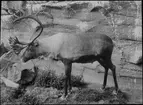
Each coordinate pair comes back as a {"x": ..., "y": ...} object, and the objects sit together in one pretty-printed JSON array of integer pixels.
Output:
[{"x": 71, "y": 48}]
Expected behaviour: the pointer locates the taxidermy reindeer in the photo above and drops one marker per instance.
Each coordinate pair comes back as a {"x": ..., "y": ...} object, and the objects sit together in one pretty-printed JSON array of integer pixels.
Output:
[{"x": 72, "y": 48}]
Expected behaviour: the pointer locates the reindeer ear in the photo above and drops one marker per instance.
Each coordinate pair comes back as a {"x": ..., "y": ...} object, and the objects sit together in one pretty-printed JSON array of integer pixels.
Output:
[{"x": 36, "y": 43}]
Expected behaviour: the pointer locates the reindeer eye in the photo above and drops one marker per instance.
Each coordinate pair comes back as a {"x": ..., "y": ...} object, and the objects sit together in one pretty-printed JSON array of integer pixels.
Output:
[{"x": 31, "y": 48}]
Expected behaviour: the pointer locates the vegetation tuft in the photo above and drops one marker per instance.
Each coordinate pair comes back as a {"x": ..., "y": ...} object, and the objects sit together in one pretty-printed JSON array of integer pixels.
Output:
[{"x": 50, "y": 79}]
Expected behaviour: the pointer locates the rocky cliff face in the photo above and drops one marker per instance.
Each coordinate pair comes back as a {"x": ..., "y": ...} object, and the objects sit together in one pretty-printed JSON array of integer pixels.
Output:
[{"x": 73, "y": 17}]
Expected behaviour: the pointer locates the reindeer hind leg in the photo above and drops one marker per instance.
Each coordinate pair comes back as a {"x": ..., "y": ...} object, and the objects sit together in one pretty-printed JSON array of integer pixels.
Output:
[{"x": 102, "y": 62}]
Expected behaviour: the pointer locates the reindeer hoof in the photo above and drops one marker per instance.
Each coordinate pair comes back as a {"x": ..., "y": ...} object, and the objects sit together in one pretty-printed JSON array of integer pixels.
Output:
[
  {"x": 69, "y": 92},
  {"x": 115, "y": 92},
  {"x": 63, "y": 97},
  {"x": 102, "y": 89}
]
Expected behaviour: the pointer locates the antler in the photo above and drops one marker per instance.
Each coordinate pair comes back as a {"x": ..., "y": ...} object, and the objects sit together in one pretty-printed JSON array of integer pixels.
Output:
[
  {"x": 37, "y": 20},
  {"x": 16, "y": 45},
  {"x": 14, "y": 40}
]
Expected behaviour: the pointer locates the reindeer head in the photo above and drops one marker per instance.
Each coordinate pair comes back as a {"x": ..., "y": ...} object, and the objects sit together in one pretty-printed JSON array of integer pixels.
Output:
[{"x": 31, "y": 50}]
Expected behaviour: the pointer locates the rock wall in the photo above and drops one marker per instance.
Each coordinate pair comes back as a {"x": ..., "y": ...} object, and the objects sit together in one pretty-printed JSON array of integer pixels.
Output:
[{"x": 82, "y": 20}]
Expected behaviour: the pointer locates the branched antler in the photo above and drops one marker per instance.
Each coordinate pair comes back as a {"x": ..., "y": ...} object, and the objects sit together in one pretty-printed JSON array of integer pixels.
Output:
[{"x": 16, "y": 45}]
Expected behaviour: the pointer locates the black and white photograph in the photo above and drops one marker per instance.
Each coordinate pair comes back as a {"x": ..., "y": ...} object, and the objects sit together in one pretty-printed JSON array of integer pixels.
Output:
[{"x": 71, "y": 52}]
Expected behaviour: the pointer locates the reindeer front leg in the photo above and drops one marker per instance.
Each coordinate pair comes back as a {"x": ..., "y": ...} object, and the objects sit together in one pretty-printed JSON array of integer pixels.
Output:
[
  {"x": 68, "y": 66},
  {"x": 69, "y": 78}
]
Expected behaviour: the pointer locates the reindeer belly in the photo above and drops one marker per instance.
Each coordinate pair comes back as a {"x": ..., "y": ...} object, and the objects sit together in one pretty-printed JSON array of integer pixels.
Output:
[{"x": 85, "y": 59}]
